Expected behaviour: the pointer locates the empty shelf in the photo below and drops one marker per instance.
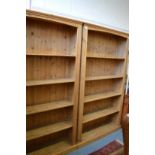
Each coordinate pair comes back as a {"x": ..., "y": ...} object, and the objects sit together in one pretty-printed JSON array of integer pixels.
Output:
[
  {"x": 47, "y": 107},
  {"x": 99, "y": 96},
  {"x": 99, "y": 132},
  {"x": 98, "y": 114},
  {"x": 104, "y": 77},
  {"x": 50, "y": 54},
  {"x": 46, "y": 82},
  {"x": 104, "y": 57},
  {"x": 52, "y": 149},
  {"x": 47, "y": 130}
]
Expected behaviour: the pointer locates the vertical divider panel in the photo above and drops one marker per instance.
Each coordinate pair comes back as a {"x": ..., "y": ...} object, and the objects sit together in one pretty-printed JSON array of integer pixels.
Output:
[
  {"x": 82, "y": 80},
  {"x": 76, "y": 84}
]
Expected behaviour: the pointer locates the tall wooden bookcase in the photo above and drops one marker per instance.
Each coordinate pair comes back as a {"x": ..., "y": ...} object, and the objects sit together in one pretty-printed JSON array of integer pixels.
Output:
[
  {"x": 52, "y": 82},
  {"x": 103, "y": 65},
  {"x": 75, "y": 74}
]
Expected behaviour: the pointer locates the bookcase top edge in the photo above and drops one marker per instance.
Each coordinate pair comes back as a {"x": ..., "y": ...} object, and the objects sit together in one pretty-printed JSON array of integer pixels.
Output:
[
  {"x": 52, "y": 17},
  {"x": 100, "y": 28},
  {"x": 75, "y": 22}
]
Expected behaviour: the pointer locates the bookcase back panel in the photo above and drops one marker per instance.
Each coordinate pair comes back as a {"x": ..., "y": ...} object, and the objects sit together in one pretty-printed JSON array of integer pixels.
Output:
[
  {"x": 48, "y": 118},
  {"x": 42, "y": 68},
  {"x": 45, "y": 37},
  {"x": 105, "y": 44},
  {"x": 48, "y": 93},
  {"x": 101, "y": 105},
  {"x": 102, "y": 86},
  {"x": 48, "y": 140},
  {"x": 101, "y": 67}
]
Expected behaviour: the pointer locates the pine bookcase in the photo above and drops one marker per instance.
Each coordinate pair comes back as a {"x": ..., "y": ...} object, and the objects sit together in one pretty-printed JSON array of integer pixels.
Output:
[
  {"x": 75, "y": 75},
  {"x": 52, "y": 82},
  {"x": 103, "y": 67}
]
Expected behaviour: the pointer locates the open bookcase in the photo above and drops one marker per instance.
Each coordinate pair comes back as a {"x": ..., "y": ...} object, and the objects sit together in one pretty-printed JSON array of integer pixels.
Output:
[
  {"x": 103, "y": 66},
  {"x": 52, "y": 82},
  {"x": 74, "y": 95}
]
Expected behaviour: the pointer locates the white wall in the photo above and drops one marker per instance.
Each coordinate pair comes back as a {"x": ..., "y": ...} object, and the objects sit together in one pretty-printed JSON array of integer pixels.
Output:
[{"x": 112, "y": 13}]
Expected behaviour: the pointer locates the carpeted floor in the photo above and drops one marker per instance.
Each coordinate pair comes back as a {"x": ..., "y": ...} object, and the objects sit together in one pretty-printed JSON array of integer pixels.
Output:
[{"x": 113, "y": 148}]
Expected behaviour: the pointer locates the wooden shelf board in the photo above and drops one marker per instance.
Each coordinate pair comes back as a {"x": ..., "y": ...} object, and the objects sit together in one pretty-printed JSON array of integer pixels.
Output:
[
  {"x": 98, "y": 114},
  {"x": 52, "y": 149},
  {"x": 104, "y": 77},
  {"x": 100, "y": 96},
  {"x": 49, "y": 54},
  {"x": 46, "y": 82},
  {"x": 47, "y": 130},
  {"x": 47, "y": 106},
  {"x": 99, "y": 132},
  {"x": 104, "y": 57}
]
